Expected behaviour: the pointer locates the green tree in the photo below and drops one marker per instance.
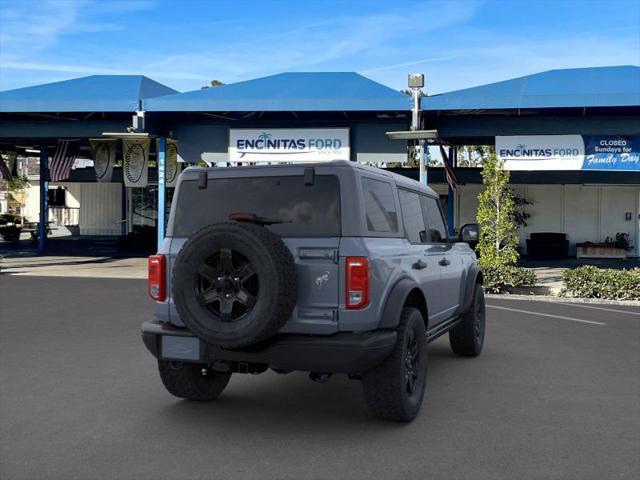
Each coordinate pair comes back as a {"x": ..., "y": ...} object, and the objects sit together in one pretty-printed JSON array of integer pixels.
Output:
[
  {"x": 213, "y": 83},
  {"x": 474, "y": 155},
  {"x": 496, "y": 211}
]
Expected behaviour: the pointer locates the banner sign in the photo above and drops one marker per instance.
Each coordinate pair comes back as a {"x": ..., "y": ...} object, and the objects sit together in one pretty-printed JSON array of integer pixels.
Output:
[
  {"x": 104, "y": 157},
  {"x": 289, "y": 145},
  {"x": 172, "y": 166},
  {"x": 12, "y": 161},
  {"x": 569, "y": 152},
  {"x": 610, "y": 152},
  {"x": 136, "y": 162},
  {"x": 541, "y": 152}
]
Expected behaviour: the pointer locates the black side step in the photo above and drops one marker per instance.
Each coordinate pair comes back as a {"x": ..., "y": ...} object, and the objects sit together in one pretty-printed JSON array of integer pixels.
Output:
[{"x": 442, "y": 328}]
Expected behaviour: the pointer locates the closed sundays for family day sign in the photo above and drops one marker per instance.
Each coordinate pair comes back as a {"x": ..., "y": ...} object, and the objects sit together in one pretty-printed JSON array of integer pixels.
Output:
[
  {"x": 289, "y": 145},
  {"x": 569, "y": 152}
]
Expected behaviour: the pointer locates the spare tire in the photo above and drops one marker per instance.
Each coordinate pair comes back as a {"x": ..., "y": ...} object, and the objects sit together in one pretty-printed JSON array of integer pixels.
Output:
[{"x": 234, "y": 284}]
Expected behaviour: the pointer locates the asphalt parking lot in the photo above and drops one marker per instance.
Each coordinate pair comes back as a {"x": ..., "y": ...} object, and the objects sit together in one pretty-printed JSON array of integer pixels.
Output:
[{"x": 555, "y": 394}]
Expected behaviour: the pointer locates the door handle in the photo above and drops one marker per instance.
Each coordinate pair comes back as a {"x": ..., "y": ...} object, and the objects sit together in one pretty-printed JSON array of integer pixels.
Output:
[
  {"x": 419, "y": 265},
  {"x": 444, "y": 262}
]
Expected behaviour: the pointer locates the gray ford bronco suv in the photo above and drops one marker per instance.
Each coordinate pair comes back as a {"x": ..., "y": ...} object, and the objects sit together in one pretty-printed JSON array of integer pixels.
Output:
[{"x": 326, "y": 268}]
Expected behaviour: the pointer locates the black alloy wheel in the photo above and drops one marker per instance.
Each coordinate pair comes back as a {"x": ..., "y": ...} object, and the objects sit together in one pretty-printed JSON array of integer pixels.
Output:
[
  {"x": 412, "y": 363},
  {"x": 227, "y": 285}
]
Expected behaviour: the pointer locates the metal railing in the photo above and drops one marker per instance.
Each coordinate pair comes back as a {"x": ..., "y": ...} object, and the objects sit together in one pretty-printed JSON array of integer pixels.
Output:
[{"x": 67, "y": 216}]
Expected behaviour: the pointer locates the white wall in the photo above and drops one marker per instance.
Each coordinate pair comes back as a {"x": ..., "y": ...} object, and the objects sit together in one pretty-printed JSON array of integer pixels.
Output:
[
  {"x": 32, "y": 202},
  {"x": 581, "y": 215},
  {"x": 583, "y": 212},
  {"x": 100, "y": 208},
  {"x": 73, "y": 195},
  {"x": 614, "y": 203}
]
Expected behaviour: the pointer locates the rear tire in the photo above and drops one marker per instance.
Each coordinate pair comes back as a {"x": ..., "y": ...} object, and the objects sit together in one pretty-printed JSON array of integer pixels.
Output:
[
  {"x": 467, "y": 338},
  {"x": 234, "y": 284},
  {"x": 389, "y": 392},
  {"x": 192, "y": 381}
]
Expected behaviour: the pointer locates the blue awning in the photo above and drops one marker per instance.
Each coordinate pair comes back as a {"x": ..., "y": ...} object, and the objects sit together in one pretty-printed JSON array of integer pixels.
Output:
[
  {"x": 577, "y": 87},
  {"x": 288, "y": 92},
  {"x": 96, "y": 93}
]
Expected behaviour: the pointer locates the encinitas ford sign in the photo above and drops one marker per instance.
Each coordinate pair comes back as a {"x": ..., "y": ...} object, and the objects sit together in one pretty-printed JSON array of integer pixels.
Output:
[
  {"x": 569, "y": 152},
  {"x": 541, "y": 152},
  {"x": 289, "y": 145}
]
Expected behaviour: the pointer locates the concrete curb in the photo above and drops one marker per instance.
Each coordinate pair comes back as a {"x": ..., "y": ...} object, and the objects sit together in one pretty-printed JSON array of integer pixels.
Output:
[
  {"x": 534, "y": 290},
  {"x": 556, "y": 299}
]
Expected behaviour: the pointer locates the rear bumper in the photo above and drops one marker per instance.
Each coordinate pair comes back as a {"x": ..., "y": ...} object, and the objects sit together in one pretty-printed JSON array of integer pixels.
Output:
[{"x": 350, "y": 353}]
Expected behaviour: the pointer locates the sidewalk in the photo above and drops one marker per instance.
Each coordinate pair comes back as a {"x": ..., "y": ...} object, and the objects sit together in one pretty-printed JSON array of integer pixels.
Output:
[
  {"x": 59, "y": 266},
  {"x": 549, "y": 280}
]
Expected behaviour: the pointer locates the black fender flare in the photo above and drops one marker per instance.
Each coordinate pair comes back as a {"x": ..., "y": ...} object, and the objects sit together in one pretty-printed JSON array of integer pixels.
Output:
[
  {"x": 474, "y": 275},
  {"x": 395, "y": 301}
]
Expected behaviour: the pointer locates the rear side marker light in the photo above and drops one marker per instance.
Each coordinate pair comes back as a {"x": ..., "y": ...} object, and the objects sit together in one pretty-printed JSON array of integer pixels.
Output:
[
  {"x": 357, "y": 282},
  {"x": 156, "y": 281}
]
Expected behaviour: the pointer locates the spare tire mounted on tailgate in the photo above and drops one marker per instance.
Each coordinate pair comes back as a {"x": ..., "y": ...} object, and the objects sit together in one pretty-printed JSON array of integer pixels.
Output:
[{"x": 234, "y": 284}]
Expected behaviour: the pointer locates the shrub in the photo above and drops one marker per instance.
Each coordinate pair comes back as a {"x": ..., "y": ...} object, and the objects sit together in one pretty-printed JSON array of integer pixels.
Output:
[
  {"x": 499, "y": 277},
  {"x": 592, "y": 282}
]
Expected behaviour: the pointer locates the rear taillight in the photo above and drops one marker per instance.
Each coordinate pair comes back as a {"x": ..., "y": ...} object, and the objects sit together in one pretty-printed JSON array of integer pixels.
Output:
[
  {"x": 156, "y": 282},
  {"x": 357, "y": 282}
]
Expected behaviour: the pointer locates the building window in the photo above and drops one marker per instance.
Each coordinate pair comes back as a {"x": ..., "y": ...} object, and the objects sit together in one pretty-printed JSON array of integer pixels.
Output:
[{"x": 57, "y": 197}]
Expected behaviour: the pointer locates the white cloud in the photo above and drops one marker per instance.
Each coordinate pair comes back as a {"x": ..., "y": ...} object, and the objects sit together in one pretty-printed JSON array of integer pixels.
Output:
[
  {"x": 408, "y": 64},
  {"x": 314, "y": 46},
  {"x": 500, "y": 57},
  {"x": 88, "y": 70},
  {"x": 31, "y": 27}
]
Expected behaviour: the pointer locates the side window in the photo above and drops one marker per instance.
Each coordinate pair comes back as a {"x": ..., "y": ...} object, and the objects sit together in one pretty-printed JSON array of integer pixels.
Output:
[
  {"x": 412, "y": 216},
  {"x": 380, "y": 206},
  {"x": 436, "y": 230}
]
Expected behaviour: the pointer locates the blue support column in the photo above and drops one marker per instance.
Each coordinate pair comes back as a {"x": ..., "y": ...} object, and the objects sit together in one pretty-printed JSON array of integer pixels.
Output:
[
  {"x": 424, "y": 163},
  {"x": 44, "y": 199},
  {"x": 453, "y": 160},
  {"x": 162, "y": 188}
]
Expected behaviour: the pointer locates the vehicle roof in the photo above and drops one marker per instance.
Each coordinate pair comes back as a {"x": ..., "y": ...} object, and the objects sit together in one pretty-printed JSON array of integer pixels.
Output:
[{"x": 400, "y": 180}]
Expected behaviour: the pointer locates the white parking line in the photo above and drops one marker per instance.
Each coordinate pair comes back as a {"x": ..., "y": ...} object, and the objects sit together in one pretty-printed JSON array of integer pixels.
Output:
[
  {"x": 596, "y": 308},
  {"x": 546, "y": 315}
]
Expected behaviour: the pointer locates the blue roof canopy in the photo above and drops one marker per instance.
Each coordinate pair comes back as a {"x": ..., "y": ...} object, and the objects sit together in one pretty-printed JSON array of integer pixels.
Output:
[
  {"x": 298, "y": 92},
  {"x": 96, "y": 93},
  {"x": 577, "y": 87}
]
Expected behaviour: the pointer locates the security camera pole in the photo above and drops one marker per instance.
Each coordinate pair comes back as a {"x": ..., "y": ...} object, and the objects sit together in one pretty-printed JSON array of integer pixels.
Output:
[{"x": 416, "y": 83}]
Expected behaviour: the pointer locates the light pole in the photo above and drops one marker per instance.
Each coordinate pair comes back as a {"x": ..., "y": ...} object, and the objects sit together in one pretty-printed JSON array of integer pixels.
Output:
[{"x": 416, "y": 83}]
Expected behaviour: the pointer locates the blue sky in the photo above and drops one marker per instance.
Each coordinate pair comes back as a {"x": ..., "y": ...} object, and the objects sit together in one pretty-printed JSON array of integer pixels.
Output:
[{"x": 184, "y": 44}]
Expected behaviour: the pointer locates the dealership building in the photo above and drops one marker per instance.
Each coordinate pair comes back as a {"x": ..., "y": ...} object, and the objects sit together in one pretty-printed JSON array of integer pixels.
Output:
[{"x": 571, "y": 139}]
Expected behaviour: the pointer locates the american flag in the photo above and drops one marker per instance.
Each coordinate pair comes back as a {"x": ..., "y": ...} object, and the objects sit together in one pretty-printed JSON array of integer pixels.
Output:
[
  {"x": 448, "y": 170},
  {"x": 4, "y": 170},
  {"x": 62, "y": 161}
]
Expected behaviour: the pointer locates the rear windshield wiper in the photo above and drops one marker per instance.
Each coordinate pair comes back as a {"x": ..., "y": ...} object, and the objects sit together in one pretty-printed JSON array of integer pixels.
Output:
[{"x": 255, "y": 219}]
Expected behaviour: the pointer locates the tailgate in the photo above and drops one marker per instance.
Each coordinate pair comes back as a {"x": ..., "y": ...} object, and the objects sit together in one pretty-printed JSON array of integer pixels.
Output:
[{"x": 316, "y": 311}]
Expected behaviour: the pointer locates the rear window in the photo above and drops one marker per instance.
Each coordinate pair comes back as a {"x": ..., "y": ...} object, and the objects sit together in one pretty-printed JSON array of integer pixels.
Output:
[{"x": 307, "y": 210}]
